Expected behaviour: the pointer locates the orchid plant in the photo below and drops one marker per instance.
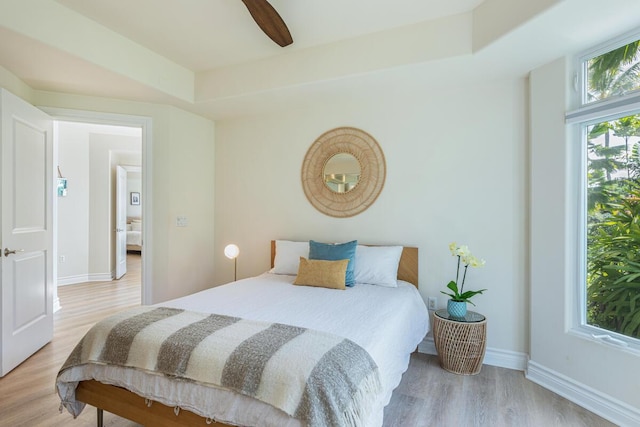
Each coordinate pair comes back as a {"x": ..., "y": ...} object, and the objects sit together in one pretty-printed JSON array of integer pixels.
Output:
[{"x": 466, "y": 259}]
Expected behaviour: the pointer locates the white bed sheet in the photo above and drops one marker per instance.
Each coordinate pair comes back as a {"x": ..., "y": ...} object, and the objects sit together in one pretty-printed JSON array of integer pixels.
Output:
[
  {"x": 134, "y": 238},
  {"x": 387, "y": 322}
]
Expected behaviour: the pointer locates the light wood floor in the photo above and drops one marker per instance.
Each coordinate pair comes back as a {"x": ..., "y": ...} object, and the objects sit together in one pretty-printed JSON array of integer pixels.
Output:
[
  {"x": 430, "y": 396},
  {"x": 427, "y": 395}
]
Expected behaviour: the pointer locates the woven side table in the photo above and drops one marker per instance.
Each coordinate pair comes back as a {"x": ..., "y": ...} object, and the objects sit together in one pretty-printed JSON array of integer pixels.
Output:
[{"x": 460, "y": 342}]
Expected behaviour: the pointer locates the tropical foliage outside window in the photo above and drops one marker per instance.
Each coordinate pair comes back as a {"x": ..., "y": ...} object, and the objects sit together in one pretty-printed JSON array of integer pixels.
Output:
[
  {"x": 615, "y": 73},
  {"x": 613, "y": 198}
]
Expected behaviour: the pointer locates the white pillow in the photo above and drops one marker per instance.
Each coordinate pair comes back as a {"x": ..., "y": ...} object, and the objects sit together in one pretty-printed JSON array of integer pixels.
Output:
[
  {"x": 136, "y": 226},
  {"x": 377, "y": 265},
  {"x": 129, "y": 227},
  {"x": 288, "y": 256}
]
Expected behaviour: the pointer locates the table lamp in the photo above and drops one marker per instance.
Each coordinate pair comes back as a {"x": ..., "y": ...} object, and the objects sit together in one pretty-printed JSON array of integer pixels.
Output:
[{"x": 232, "y": 251}]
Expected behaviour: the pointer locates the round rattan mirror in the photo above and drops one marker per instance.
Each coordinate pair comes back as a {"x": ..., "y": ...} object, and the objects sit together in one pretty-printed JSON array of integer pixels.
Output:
[{"x": 344, "y": 142}]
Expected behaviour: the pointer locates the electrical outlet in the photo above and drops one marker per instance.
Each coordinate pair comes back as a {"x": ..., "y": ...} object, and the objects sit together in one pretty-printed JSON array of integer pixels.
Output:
[
  {"x": 181, "y": 221},
  {"x": 433, "y": 303}
]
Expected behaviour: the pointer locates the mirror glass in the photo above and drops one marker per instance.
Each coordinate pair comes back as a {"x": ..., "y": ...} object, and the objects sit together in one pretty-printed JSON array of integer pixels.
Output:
[{"x": 342, "y": 172}]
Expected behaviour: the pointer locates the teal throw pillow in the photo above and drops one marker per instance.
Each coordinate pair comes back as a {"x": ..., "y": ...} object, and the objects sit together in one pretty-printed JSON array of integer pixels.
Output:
[{"x": 335, "y": 252}]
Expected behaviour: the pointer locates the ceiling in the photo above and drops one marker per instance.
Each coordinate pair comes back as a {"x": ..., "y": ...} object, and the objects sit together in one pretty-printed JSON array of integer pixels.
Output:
[
  {"x": 209, "y": 56},
  {"x": 205, "y": 34}
]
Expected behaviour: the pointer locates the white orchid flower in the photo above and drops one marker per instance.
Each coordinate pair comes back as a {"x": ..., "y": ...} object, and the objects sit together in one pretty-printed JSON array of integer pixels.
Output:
[
  {"x": 476, "y": 262},
  {"x": 466, "y": 259},
  {"x": 453, "y": 247},
  {"x": 463, "y": 251}
]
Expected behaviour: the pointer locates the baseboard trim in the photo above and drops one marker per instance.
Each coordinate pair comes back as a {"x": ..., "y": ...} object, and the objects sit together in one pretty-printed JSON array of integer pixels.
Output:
[
  {"x": 595, "y": 401},
  {"x": 72, "y": 280},
  {"x": 83, "y": 278},
  {"x": 493, "y": 356},
  {"x": 101, "y": 277}
]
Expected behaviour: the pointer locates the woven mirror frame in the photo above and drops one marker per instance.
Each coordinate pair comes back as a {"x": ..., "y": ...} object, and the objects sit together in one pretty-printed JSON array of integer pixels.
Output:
[{"x": 366, "y": 150}]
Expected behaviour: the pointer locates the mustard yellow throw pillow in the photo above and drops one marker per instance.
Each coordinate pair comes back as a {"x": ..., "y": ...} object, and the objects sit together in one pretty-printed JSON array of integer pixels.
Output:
[{"x": 326, "y": 274}]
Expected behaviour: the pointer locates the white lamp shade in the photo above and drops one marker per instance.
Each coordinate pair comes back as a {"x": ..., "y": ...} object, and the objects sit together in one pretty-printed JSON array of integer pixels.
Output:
[{"x": 231, "y": 251}]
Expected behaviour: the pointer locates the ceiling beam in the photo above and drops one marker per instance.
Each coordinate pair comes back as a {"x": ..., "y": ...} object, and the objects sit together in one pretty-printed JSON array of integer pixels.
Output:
[
  {"x": 61, "y": 28},
  {"x": 428, "y": 41}
]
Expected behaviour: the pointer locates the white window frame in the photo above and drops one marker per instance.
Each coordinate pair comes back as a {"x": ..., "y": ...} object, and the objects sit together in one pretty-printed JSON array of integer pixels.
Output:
[
  {"x": 581, "y": 66},
  {"x": 585, "y": 115}
]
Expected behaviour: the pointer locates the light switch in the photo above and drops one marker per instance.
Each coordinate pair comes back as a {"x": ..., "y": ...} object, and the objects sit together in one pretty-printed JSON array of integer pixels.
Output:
[{"x": 181, "y": 221}]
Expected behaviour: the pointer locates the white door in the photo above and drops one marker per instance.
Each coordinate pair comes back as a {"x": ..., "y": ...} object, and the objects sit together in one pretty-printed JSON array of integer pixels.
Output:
[
  {"x": 27, "y": 230},
  {"x": 121, "y": 221}
]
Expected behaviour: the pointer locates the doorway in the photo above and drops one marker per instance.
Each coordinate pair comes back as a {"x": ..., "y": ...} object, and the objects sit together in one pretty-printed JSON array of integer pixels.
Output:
[
  {"x": 128, "y": 216},
  {"x": 99, "y": 233}
]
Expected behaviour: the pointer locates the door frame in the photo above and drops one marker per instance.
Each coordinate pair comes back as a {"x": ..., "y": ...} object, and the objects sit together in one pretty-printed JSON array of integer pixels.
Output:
[
  {"x": 146, "y": 123},
  {"x": 121, "y": 220}
]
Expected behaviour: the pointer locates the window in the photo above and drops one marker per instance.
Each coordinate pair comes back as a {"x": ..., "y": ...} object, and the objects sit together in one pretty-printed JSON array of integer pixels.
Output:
[
  {"x": 613, "y": 225},
  {"x": 609, "y": 117},
  {"x": 613, "y": 73}
]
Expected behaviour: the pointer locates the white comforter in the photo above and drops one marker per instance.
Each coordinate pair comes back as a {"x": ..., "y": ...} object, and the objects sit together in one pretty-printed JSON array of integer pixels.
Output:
[
  {"x": 387, "y": 322},
  {"x": 134, "y": 238}
]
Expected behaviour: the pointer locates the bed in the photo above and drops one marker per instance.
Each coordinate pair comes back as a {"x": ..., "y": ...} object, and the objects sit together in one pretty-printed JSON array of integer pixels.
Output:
[
  {"x": 134, "y": 234},
  {"x": 386, "y": 322}
]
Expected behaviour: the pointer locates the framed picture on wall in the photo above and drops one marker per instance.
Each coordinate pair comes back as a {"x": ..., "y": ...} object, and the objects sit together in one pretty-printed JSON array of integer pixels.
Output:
[{"x": 135, "y": 198}]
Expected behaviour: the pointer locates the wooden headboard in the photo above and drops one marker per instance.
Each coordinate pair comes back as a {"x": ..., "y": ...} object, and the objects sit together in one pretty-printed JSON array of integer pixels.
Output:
[{"x": 407, "y": 269}]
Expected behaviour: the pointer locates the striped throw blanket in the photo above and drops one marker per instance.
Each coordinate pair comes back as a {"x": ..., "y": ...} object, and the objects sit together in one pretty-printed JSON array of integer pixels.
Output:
[{"x": 316, "y": 377}]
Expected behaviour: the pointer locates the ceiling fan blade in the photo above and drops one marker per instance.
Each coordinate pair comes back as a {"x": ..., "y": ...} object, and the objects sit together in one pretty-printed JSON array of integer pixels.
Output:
[{"x": 269, "y": 21}]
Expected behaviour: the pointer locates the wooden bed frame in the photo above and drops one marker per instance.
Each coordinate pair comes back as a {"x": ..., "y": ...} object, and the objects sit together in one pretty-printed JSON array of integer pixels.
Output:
[{"x": 129, "y": 405}]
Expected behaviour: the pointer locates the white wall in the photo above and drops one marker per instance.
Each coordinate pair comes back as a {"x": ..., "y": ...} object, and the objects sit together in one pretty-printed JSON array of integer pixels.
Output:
[
  {"x": 73, "y": 209},
  {"x": 87, "y": 157},
  {"x": 601, "y": 376},
  {"x": 16, "y": 86},
  {"x": 189, "y": 185},
  {"x": 456, "y": 171}
]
